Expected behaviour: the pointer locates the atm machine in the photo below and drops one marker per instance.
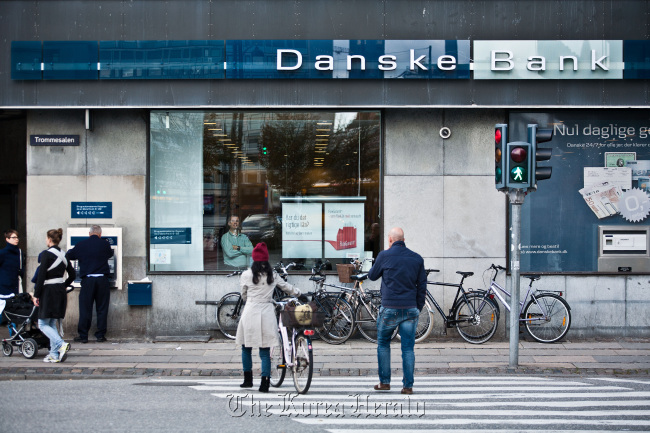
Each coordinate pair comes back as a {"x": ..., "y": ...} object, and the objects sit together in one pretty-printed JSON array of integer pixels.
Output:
[
  {"x": 623, "y": 249},
  {"x": 113, "y": 236}
]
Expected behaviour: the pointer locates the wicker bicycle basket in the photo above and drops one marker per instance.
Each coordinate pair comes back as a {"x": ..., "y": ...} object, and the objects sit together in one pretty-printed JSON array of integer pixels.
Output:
[
  {"x": 345, "y": 271},
  {"x": 303, "y": 316}
]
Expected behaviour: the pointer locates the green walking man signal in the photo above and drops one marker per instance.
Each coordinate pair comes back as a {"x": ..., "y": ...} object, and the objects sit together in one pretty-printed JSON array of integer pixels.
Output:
[{"x": 516, "y": 163}]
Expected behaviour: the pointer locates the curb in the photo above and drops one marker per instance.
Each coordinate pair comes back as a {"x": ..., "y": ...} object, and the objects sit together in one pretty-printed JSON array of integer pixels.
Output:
[{"x": 131, "y": 373}]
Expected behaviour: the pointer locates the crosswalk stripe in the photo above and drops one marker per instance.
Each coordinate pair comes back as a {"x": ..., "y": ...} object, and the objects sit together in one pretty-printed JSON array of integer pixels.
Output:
[
  {"x": 474, "y": 431},
  {"x": 418, "y": 379},
  {"x": 462, "y": 421},
  {"x": 391, "y": 396},
  {"x": 474, "y": 405},
  {"x": 607, "y": 379},
  {"x": 492, "y": 412},
  {"x": 432, "y": 390}
]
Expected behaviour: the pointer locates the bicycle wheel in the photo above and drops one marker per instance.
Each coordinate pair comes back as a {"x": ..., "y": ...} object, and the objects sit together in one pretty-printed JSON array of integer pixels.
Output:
[
  {"x": 303, "y": 364},
  {"x": 425, "y": 323},
  {"x": 366, "y": 317},
  {"x": 476, "y": 318},
  {"x": 339, "y": 320},
  {"x": 278, "y": 366},
  {"x": 551, "y": 318},
  {"x": 228, "y": 314}
]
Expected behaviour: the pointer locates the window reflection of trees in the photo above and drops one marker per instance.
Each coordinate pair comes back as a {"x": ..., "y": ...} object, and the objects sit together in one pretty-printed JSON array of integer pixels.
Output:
[{"x": 250, "y": 159}]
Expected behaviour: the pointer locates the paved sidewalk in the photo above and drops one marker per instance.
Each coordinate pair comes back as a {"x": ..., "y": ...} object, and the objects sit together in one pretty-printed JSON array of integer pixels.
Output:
[{"x": 119, "y": 359}]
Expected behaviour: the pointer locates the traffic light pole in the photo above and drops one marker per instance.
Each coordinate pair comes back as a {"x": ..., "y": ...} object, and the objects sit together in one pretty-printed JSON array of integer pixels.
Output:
[{"x": 516, "y": 197}]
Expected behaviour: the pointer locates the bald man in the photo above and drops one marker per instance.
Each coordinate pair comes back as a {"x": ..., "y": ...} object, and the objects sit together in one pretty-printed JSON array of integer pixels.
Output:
[{"x": 403, "y": 290}]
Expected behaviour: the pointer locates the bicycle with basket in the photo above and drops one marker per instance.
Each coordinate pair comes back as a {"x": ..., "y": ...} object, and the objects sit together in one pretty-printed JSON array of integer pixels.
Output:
[{"x": 295, "y": 329}]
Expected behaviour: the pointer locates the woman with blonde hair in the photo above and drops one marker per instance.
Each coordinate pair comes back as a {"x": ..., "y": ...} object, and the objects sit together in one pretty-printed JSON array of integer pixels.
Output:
[{"x": 50, "y": 294}]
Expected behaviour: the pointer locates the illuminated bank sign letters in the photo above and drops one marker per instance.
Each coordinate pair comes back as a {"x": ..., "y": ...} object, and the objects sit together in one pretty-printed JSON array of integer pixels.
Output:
[{"x": 330, "y": 59}]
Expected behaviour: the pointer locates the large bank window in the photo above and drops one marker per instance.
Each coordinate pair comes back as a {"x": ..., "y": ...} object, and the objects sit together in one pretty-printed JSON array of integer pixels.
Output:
[{"x": 305, "y": 183}]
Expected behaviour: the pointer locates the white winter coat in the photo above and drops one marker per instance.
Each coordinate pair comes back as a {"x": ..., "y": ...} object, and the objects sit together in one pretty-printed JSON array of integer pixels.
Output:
[{"x": 258, "y": 326}]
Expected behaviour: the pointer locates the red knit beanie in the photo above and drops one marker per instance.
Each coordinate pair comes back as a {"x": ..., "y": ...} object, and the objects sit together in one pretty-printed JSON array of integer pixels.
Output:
[{"x": 260, "y": 253}]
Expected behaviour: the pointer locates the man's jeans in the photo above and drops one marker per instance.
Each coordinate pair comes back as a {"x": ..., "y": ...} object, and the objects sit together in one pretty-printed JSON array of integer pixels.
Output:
[
  {"x": 48, "y": 327},
  {"x": 389, "y": 319}
]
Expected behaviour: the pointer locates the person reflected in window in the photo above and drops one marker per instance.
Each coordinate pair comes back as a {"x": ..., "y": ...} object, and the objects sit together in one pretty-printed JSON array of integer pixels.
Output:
[
  {"x": 237, "y": 248},
  {"x": 373, "y": 240}
]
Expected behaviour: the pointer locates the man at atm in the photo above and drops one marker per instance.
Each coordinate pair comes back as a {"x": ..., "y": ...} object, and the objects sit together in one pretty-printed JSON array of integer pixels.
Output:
[{"x": 93, "y": 254}]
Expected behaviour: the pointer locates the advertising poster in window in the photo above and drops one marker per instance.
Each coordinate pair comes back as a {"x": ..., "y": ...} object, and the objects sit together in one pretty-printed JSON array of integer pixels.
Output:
[
  {"x": 302, "y": 230},
  {"x": 343, "y": 230},
  {"x": 600, "y": 178}
]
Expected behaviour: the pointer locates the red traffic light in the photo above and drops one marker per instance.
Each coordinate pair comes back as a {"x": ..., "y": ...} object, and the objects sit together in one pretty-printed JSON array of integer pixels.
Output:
[
  {"x": 518, "y": 154},
  {"x": 497, "y": 136}
]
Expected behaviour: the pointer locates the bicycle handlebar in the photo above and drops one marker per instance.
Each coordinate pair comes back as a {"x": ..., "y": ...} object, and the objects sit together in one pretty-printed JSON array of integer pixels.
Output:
[
  {"x": 284, "y": 302},
  {"x": 497, "y": 267},
  {"x": 317, "y": 268},
  {"x": 428, "y": 271}
]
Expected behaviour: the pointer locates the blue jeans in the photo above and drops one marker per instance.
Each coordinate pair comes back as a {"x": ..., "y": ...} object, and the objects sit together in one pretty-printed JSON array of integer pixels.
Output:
[
  {"x": 48, "y": 327},
  {"x": 265, "y": 356},
  {"x": 389, "y": 319}
]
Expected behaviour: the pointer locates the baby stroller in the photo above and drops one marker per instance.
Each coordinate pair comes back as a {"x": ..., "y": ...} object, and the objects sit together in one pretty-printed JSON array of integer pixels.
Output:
[{"x": 22, "y": 317}]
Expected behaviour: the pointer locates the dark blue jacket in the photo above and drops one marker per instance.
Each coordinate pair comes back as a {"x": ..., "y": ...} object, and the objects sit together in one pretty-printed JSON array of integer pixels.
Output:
[
  {"x": 403, "y": 279},
  {"x": 93, "y": 254},
  {"x": 10, "y": 269}
]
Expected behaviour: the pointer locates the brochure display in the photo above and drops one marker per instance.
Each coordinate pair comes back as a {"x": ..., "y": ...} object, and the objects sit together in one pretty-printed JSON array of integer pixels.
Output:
[{"x": 329, "y": 227}]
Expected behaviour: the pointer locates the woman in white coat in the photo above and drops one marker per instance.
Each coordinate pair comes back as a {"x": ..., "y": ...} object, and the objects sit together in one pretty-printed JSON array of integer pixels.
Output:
[{"x": 258, "y": 326}]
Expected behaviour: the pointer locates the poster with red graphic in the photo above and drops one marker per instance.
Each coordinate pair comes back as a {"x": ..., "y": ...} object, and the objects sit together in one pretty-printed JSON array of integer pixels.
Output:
[
  {"x": 302, "y": 230},
  {"x": 343, "y": 230}
]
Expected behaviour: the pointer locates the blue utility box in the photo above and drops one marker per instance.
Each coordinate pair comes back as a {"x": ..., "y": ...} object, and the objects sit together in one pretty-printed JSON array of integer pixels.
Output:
[{"x": 139, "y": 293}]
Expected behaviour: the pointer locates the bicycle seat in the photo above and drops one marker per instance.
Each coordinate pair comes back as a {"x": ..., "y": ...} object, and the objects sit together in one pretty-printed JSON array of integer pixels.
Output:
[
  {"x": 316, "y": 278},
  {"x": 533, "y": 277},
  {"x": 465, "y": 274},
  {"x": 359, "y": 277}
]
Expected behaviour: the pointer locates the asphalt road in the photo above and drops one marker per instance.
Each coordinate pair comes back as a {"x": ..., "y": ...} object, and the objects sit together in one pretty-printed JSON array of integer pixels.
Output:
[{"x": 441, "y": 403}]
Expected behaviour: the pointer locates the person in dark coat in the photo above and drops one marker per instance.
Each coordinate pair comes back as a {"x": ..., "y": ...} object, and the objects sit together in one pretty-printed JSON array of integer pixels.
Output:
[
  {"x": 93, "y": 254},
  {"x": 50, "y": 294},
  {"x": 11, "y": 264},
  {"x": 403, "y": 291}
]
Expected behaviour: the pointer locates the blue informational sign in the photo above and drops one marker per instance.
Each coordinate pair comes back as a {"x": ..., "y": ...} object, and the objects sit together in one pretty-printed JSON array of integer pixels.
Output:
[
  {"x": 181, "y": 235},
  {"x": 91, "y": 209},
  {"x": 54, "y": 140}
]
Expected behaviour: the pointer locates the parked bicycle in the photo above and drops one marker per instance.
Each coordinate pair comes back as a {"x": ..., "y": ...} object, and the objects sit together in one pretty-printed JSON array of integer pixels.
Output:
[
  {"x": 294, "y": 353},
  {"x": 474, "y": 315},
  {"x": 230, "y": 306},
  {"x": 364, "y": 303},
  {"x": 545, "y": 314},
  {"x": 338, "y": 324}
]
